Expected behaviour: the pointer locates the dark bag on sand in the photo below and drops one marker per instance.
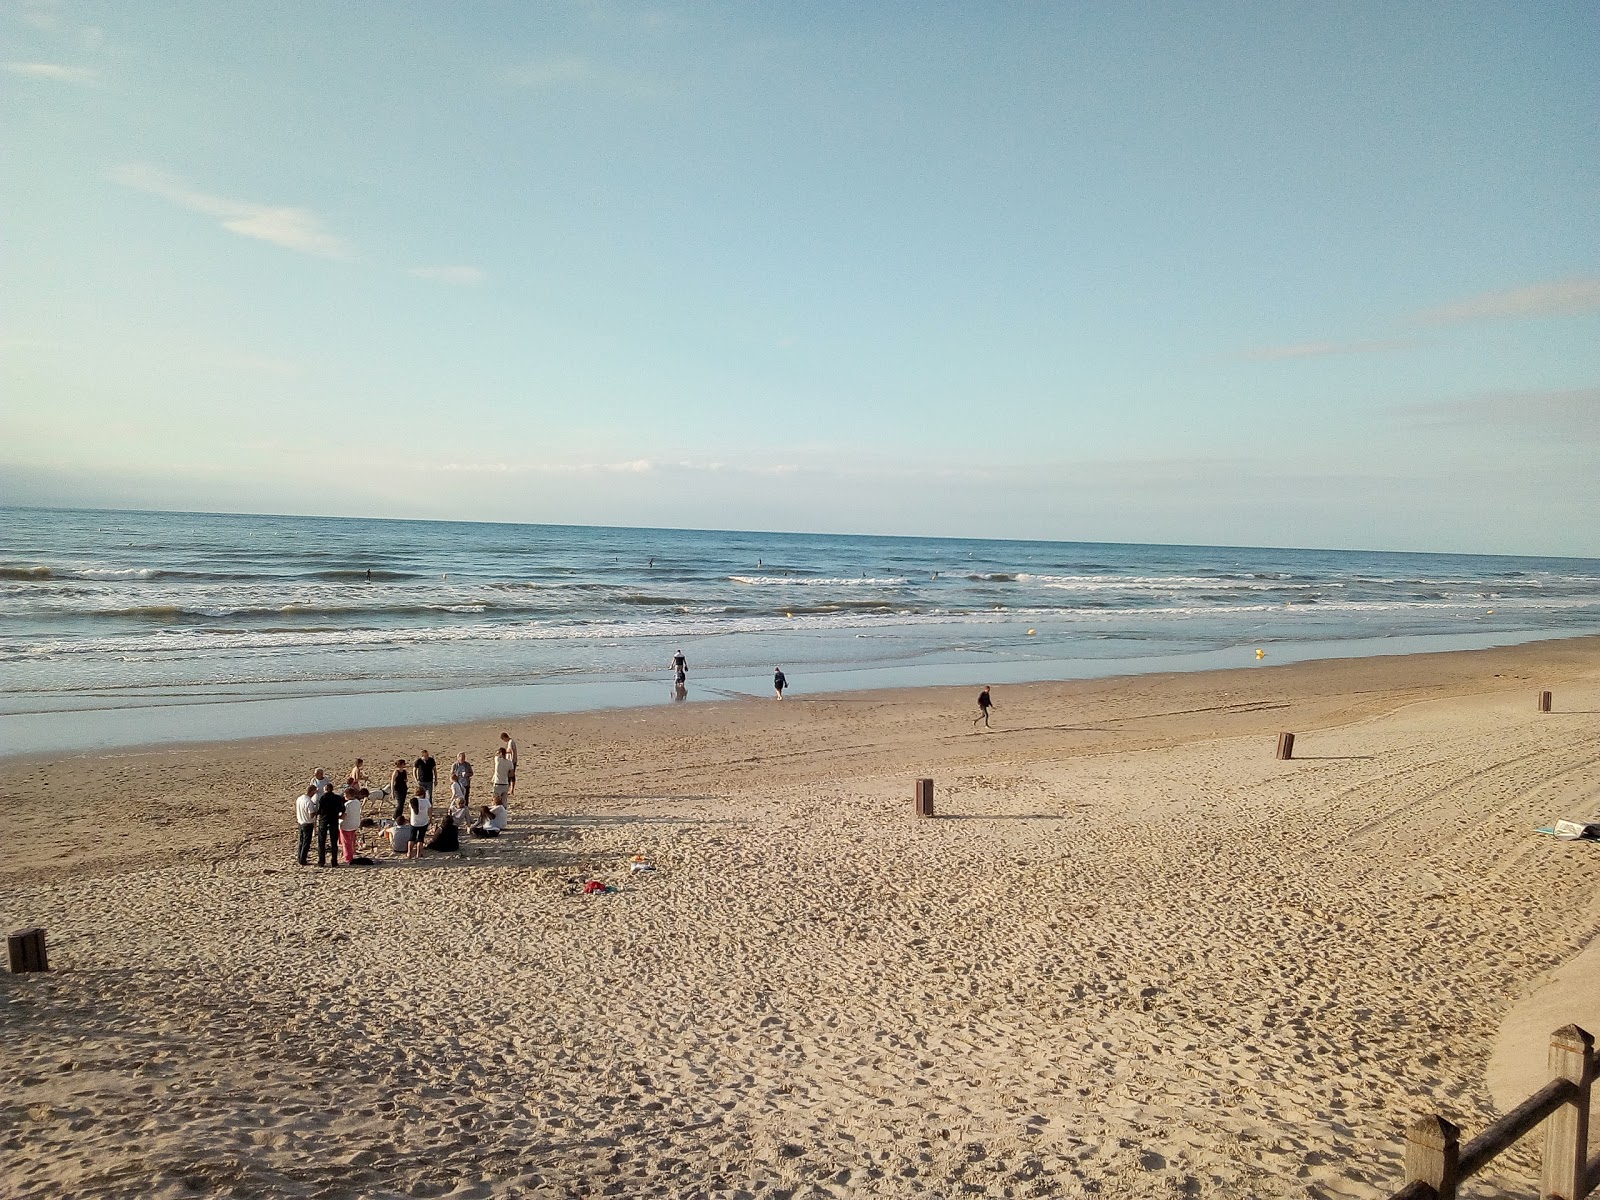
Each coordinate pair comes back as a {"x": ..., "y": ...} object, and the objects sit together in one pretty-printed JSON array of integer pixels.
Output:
[{"x": 360, "y": 861}]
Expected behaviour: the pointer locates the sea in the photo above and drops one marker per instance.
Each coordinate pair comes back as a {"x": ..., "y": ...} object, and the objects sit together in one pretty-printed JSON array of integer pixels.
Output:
[{"x": 122, "y": 629}]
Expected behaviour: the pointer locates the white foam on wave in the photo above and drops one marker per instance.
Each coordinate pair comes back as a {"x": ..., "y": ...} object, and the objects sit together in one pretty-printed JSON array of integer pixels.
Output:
[{"x": 811, "y": 581}]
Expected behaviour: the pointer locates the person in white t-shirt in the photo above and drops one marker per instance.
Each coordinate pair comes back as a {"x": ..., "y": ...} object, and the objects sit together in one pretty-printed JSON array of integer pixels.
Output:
[
  {"x": 305, "y": 815},
  {"x": 503, "y": 774},
  {"x": 493, "y": 821},
  {"x": 421, "y": 812},
  {"x": 350, "y": 824},
  {"x": 320, "y": 781}
]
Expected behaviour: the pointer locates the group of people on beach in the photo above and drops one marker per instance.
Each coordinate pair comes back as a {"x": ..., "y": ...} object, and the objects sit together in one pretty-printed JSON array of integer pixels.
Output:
[
  {"x": 680, "y": 682},
  {"x": 331, "y": 813}
]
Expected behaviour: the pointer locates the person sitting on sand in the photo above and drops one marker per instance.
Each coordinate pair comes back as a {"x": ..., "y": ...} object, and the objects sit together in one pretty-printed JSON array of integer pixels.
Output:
[
  {"x": 421, "y": 813},
  {"x": 460, "y": 813},
  {"x": 493, "y": 821},
  {"x": 446, "y": 838},
  {"x": 350, "y": 825},
  {"x": 399, "y": 835}
]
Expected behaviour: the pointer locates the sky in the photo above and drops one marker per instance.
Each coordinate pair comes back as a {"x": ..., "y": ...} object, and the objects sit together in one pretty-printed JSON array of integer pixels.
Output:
[{"x": 1239, "y": 274}]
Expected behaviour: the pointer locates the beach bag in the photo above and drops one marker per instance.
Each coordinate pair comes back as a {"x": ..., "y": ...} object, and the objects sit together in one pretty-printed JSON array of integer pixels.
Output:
[{"x": 1573, "y": 831}]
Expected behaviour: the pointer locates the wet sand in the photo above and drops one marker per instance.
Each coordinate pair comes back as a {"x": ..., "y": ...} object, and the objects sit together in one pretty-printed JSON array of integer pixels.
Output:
[{"x": 1134, "y": 955}]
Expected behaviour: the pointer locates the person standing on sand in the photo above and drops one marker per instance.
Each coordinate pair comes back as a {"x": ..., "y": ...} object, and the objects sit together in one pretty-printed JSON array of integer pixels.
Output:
[
  {"x": 350, "y": 825},
  {"x": 330, "y": 812},
  {"x": 421, "y": 814},
  {"x": 358, "y": 774},
  {"x": 509, "y": 745},
  {"x": 305, "y": 815},
  {"x": 984, "y": 705},
  {"x": 778, "y": 681},
  {"x": 425, "y": 768},
  {"x": 320, "y": 781},
  {"x": 502, "y": 775},
  {"x": 399, "y": 784},
  {"x": 461, "y": 779}
]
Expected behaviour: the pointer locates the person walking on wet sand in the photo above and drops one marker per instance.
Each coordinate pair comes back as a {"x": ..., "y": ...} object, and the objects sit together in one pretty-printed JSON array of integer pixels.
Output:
[
  {"x": 779, "y": 682},
  {"x": 680, "y": 664},
  {"x": 984, "y": 705}
]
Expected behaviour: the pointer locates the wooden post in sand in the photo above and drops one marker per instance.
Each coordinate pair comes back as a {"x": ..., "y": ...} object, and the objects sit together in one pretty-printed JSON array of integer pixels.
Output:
[
  {"x": 924, "y": 798},
  {"x": 1544, "y": 701},
  {"x": 1566, "y": 1131},
  {"x": 1433, "y": 1155},
  {"x": 26, "y": 947},
  {"x": 1286, "y": 745}
]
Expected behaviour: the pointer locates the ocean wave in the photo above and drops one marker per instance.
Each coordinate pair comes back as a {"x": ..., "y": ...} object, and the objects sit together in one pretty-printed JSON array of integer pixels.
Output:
[
  {"x": 25, "y": 572},
  {"x": 813, "y": 581},
  {"x": 860, "y": 615}
]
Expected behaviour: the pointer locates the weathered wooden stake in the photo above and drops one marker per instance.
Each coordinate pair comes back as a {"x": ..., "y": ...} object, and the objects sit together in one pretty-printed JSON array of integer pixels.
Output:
[
  {"x": 1544, "y": 701},
  {"x": 1566, "y": 1131},
  {"x": 26, "y": 947},
  {"x": 924, "y": 798},
  {"x": 1433, "y": 1155},
  {"x": 1286, "y": 745}
]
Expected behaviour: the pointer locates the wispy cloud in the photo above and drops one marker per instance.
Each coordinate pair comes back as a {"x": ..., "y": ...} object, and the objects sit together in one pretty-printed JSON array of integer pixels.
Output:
[
  {"x": 292, "y": 228},
  {"x": 1322, "y": 349},
  {"x": 1568, "y": 415},
  {"x": 635, "y": 466},
  {"x": 81, "y": 76},
  {"x": 460, "y": 276},
  {"x": 1558, "y": 298},
  {"x": 575, "y": 71}
]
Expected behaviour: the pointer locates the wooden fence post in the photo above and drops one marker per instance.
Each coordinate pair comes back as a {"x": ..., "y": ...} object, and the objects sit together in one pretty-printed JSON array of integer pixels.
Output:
[
  {"x": 924, "y": 798},
  {"x": 1433, "y": 1155},
  {"x": 1566, "y": 1131},
  {"x": 1286, "y": 745},
  {"x": 1544, "y": 701},
  {"x": 26, "y": 948}
]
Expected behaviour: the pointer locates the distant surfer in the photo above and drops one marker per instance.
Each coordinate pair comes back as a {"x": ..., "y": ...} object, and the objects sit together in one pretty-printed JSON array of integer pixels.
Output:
[
  {"x": 680, "y": 666},
  {"x": 985, "y": 703},
  {"x": 779, "y": 682}
]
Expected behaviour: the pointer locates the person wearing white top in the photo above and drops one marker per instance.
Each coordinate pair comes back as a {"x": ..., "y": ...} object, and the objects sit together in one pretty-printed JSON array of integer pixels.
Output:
[
  {"x": 421, "y": 811},
  {"x": 502, "y": 774},
  {"x": 320, "y": 781},
  {"x": 305, "y": 814},
  {"x": 461, "y": 813},
  {"x": 350, "y": 825},
  {"x": 493, "y": 821}
]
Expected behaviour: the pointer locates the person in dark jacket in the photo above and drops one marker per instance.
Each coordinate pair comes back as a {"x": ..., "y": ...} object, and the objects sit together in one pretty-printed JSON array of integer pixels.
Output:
[
  {"x": 398, "y": 786},
  {"x": 330, "y": 811},
  {"x": 425, "y": 768}
]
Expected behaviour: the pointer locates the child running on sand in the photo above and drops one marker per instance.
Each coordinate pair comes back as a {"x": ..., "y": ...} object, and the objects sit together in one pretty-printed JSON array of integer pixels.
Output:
[{"x": 984, "y": 705}]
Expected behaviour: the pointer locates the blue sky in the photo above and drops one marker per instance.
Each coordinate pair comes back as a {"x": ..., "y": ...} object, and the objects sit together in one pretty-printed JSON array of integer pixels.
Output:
[{"x": 1244, "y": 274}]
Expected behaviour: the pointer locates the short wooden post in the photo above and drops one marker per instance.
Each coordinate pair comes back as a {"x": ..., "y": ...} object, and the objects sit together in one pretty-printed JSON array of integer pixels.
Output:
[
  {"x": 1566, "y": 1131},
  {"x": 1433, "y": 1155},
  {"x": 1544, "y": 701},
  {"x": 924, "y": 798},
  {"x": 1286, "y": 745},
  {"x": 26, "y": 947}
]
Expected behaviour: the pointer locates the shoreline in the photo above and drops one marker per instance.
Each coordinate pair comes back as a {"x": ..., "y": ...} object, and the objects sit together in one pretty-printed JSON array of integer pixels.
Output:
[
  {"x": 590, "y": 696},
  {"x": 1134, "y": 954}
]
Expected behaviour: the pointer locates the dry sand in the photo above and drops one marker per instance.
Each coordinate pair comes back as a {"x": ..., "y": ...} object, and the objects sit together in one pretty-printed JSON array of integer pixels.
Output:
[{"x": 1135, "y": 955}]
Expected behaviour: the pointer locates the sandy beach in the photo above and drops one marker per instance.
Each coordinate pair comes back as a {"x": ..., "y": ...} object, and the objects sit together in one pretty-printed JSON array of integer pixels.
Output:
[{"x": 1134, "y": 954}]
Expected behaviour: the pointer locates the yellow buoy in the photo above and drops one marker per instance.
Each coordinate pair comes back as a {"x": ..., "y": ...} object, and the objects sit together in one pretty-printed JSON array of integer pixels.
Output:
[
  {"x": 789, "y": 615},
  {"x": 1491, "y": 612},
  {"x": 1030, "y": 633},
  {"x": 1261, "y": 653}
]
